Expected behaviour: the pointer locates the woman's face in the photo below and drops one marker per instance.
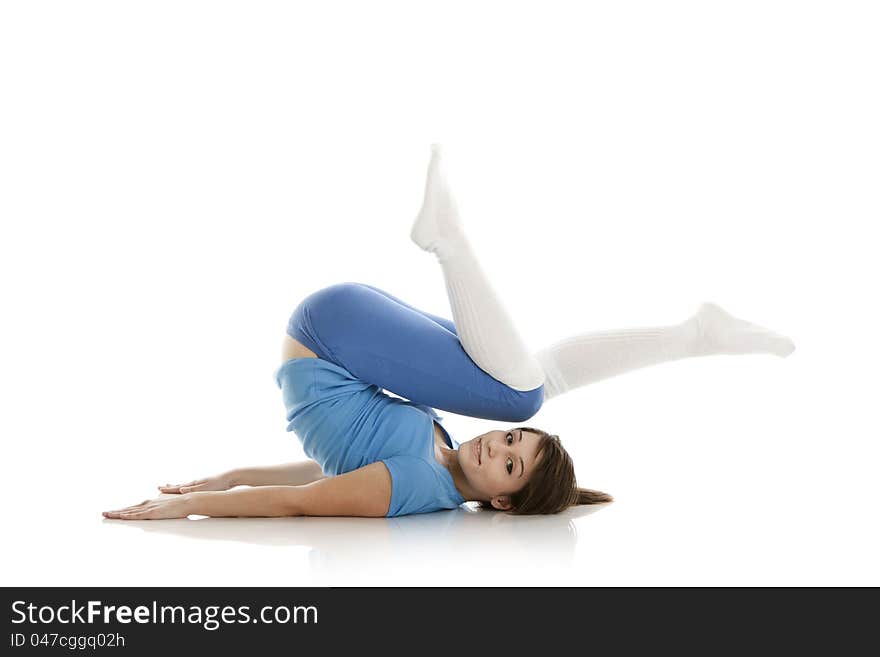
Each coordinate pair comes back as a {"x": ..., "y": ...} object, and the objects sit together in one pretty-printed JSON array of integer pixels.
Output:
[{"x": 499, "y": 463}]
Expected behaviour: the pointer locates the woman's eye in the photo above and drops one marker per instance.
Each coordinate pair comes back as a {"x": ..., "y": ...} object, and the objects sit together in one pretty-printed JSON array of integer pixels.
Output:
[
  {"x": 510, "y": 439},
  {"x": 509, "y": 466}
]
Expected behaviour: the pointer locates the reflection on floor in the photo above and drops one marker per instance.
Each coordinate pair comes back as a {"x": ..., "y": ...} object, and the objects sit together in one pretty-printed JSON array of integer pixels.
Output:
[{"x": 484, "y": 544}]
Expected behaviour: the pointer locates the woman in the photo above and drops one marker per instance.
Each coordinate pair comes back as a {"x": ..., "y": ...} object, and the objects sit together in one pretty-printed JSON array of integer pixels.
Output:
[{"x": 377, "y": 455}]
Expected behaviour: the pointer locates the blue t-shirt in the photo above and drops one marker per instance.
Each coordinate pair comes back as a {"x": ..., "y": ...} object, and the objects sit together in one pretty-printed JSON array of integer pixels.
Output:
[{"x": 345, "y": 423}]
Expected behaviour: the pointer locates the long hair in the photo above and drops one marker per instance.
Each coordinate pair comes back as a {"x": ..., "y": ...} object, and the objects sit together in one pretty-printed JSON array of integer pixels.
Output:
[{"x": 552, "y": 486}]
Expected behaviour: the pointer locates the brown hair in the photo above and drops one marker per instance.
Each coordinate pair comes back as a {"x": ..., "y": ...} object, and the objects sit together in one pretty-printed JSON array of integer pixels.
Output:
[{"x": 552, "y": 486}]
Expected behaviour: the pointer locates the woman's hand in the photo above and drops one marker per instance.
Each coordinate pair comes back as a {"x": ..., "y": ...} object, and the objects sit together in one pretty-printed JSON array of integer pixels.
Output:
[
  {"x": 218, "y": 482},
  {"x": 178, "y": 506}
]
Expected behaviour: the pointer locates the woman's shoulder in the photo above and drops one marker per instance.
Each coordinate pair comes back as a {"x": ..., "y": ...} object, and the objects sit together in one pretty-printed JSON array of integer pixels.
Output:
[{"x": 419, "y": 485}]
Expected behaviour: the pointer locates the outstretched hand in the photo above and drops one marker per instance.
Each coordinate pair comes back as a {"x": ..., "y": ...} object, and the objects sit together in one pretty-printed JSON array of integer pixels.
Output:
[
  {"x": 156, "y": 509},
  {"x": 217, "y": 482}
]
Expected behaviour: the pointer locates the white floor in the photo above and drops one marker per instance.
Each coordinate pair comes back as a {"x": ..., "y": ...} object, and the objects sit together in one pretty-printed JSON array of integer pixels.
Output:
[
  {"x": 829, "y": 538},
  {"x": 177, "y": 178}
]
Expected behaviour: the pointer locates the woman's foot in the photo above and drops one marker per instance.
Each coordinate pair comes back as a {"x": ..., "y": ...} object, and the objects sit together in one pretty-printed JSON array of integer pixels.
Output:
[
  {"x": 721, "y": 333},
  {"x": 437, "y": 222}
]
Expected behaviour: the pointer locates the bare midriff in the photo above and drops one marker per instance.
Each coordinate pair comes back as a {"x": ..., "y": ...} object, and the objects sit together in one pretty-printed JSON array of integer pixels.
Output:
[{"x": 291, "y": 348}]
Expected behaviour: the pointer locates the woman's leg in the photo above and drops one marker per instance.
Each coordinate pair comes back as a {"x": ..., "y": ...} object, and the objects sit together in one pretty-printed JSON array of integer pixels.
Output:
[
  {"x": 442, "y": 321},
  {"x": 384, "y": 341},
  {"x": 490, "y": 338},
  {"x": 485, "y": 329},
  {"x": 590, "y": 357}
]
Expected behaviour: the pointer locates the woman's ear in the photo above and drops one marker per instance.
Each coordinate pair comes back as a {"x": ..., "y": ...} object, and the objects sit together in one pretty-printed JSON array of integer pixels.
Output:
[{"x": 502, "y": 503}]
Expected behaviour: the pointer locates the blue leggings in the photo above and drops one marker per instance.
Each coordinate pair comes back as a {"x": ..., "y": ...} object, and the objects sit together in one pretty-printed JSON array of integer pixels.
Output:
[{"x": 414, "y": 354}]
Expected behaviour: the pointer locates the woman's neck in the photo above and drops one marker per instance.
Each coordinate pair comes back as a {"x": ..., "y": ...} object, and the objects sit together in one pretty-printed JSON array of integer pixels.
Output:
[{"x": 448, "y": 458}]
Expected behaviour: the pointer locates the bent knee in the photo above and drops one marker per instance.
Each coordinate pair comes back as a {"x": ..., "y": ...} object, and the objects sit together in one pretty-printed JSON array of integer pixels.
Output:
[{"x": 526, "y": 405}]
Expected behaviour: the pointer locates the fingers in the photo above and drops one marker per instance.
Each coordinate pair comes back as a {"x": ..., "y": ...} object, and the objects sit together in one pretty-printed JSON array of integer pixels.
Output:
[
  {"x": 132, "y": 513},
  {"x": 178, "y": 488},
  {"x": 155, "y": 509},
  {"x": 190, "y": 489},
  {"x": 133, "y": 506},
  {"x": 129, "y": 509}
]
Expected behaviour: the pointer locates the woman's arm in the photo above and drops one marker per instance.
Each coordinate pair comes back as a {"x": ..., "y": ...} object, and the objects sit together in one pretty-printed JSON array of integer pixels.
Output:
[
  {"x": 362, "y": 492},
  {"x": 286, "y": 474},
  {"x": 298, "y": 473}
]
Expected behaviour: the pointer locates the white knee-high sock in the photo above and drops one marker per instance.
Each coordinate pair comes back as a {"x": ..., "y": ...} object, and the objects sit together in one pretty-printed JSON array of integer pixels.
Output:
[
  {"x": 486, "y": 331},
  {"x": 591, "y": 357}
]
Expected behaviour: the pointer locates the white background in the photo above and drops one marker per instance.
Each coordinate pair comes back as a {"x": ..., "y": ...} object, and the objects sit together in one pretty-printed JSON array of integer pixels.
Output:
[{"x": 176, "y": 176}]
